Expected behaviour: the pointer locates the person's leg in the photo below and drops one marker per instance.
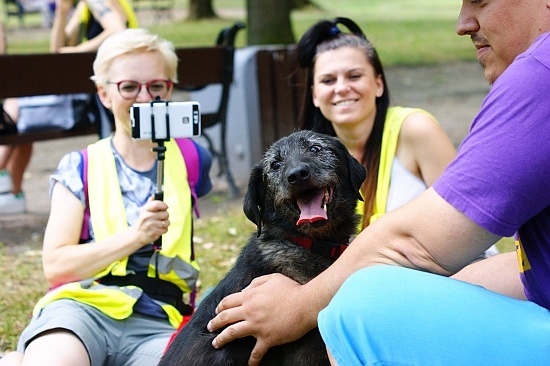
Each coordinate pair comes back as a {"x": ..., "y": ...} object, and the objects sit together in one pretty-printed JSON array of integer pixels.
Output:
[
  {"x": 66, "y": 332},
  {"x": 12, "y": 109},
  {"x": 17, "y": 165},
  {"x": 395, "y": 316},
  {"x": 144, "y": 340},
  {"x": 13, "y": 163},
  {"x": 11, "y": 359},
  {"x": 56, "y": 347},
  {"x": 12, "y": 199},
  {"x": 6, "y": 185}
]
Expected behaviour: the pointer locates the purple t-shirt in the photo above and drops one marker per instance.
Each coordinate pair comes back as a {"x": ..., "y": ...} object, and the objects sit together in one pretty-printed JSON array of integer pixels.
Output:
[{"x": 500, "y": 178}]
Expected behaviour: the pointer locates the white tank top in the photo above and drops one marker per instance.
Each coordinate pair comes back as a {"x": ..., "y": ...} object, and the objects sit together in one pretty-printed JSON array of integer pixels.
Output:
[{"x": 404, "y": 186}]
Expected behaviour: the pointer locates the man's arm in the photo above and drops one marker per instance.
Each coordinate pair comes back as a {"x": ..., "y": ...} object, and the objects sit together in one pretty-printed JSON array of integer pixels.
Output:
[{"x": 426, "y": 234}]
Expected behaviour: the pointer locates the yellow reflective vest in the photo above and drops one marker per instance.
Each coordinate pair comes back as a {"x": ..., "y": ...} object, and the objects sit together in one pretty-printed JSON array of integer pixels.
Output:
[
  {"x": 132, "y": 20},
  {"x": 392, "y": 127},
  {"x": 108, "y": 215}
]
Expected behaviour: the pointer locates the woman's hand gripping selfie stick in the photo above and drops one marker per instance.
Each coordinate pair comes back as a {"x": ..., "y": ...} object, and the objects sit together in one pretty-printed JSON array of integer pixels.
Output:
[{"x": 160, "y": 149}]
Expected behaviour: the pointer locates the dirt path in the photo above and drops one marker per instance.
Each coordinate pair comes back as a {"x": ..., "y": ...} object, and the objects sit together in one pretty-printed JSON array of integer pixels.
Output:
[{"x": 453, "y": 93}]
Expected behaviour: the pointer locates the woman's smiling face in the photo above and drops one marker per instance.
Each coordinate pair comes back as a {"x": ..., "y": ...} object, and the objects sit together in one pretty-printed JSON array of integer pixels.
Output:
[
  {"x": 345, "y": 86},
  {"x": 138, "y": 66}
]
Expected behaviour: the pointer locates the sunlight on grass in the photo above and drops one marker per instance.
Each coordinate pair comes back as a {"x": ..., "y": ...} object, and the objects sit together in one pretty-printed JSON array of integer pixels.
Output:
[
  {"x": 22, "y": 285},
  {"x": 218, "y": 240},
  {"x": 404, "y": 31},
  {"x": 506, "y": 245}
]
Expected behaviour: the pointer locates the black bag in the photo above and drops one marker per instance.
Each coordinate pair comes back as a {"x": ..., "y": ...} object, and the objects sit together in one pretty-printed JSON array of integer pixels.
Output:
[{"x": 7, "y": 126}]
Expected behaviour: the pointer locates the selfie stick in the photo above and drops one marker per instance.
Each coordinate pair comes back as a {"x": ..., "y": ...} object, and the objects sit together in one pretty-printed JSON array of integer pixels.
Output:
[{"x": 160, "y": 149}]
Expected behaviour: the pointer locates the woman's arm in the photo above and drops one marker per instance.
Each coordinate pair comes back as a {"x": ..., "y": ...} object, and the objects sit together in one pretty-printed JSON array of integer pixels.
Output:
[
  {"x": 108, "y": 13},
  {"x": 64, "y": 260},
  {"x": 424, "y": 148},
  {"x": 65, "y": 26}
]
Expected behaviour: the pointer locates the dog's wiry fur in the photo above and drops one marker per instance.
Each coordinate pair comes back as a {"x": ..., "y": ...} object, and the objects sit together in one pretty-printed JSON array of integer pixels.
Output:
[{"x": 295, "y": 167}]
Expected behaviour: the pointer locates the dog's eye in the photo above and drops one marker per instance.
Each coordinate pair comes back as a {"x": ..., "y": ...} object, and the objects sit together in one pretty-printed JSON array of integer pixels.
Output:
[
  {"x": 315, "y": 148},
  {"x": 276, "y": 165}
]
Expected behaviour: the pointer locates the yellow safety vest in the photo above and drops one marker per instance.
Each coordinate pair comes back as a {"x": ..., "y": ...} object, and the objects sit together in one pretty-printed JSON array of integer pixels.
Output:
[
  {"x": 108, "y": 217},
  {"x": 392, "y": 127},
  {"x": 126, "y": 7}
]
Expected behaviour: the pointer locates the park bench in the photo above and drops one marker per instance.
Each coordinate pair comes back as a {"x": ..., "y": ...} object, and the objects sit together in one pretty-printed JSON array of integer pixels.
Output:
[
  {"x": 42, "y": 74},
  {"x": 280, "y": 88}
]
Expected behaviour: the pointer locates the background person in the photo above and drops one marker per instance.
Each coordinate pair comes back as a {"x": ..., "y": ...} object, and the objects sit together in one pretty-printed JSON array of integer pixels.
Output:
[
  {"x": 392, "y": 282},
  {"x": 115, "y": 299},
  {"x": 96, "y": 20},
  {"x": 346, "y": 95}
]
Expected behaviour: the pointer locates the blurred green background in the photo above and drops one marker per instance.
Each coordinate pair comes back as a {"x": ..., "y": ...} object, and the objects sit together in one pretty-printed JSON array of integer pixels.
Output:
[{"x": 405, "y": 32}]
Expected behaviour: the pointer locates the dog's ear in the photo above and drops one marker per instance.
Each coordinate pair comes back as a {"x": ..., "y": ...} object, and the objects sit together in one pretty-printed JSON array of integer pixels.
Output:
[
  {"x": 254, "y": 197},
  {"x": 357, "y": 175}
]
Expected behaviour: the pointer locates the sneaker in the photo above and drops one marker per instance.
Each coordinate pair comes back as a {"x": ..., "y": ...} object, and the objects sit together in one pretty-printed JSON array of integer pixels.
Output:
[
  {"x": 12, "y": 203},
  {"x": 5, "y": 181}
]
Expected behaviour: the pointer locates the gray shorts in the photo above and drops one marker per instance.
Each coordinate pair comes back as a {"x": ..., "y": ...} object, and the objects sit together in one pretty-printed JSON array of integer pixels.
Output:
[{"x": 139, "y": 340}]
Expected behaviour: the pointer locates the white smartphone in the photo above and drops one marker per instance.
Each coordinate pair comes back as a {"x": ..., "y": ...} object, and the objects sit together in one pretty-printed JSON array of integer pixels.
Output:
[{"x": 162, "y": 120}]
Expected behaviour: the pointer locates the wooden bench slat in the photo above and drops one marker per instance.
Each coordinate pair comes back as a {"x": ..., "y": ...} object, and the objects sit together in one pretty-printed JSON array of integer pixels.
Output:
[
  {"x": 41, "y": 74},
  {"x": 64, "y": 73},
  {"x": 27, "y": 137}
]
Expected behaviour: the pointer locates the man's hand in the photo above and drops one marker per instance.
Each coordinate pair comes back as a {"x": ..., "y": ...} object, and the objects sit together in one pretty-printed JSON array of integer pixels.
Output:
[{"x": 273, "y": 309}]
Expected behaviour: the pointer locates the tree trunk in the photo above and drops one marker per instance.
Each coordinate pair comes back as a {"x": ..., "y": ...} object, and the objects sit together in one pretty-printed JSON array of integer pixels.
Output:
[
  {"x": 269, "y": 22},
  {"x": 201, "y": 9},
  {"x": 300, "y": 4}
]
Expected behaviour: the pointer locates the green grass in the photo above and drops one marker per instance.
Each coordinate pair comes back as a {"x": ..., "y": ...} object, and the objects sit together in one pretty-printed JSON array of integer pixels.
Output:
[
  {"x": 404, "y": 31},
  {"x": 22, "y": 285},
  {"x": 218, "y": 240}
]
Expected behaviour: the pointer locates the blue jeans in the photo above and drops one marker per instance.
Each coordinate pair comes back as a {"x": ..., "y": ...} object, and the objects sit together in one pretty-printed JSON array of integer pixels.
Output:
[{"x": 386, "y": 315}]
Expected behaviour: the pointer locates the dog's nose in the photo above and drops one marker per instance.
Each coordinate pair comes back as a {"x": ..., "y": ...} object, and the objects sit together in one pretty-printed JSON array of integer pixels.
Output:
[{"x": 298, "y": 174}]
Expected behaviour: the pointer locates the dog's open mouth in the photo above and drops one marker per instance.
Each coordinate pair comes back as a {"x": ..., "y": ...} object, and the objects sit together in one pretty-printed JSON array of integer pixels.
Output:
[{"x": 313, "y": 206}]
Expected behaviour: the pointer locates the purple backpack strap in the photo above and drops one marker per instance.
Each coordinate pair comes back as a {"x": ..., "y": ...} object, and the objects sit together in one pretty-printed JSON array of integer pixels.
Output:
[
  {"x": 192, "y": 160},
  {"x": 84, "y": 174},
  {"x": 191, "y": 157}
]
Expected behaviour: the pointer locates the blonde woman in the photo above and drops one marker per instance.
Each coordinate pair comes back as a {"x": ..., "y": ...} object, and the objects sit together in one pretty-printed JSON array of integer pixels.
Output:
[{"x": 115, "y": 298}]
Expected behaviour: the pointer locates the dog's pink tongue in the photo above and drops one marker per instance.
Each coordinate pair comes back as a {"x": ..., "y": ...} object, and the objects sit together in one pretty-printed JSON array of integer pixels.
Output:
[{"x": 312, "y": 210}]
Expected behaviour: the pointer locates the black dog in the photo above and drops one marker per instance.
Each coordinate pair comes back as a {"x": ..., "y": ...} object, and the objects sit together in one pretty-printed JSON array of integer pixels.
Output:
[{"x": 302, "y": 197}]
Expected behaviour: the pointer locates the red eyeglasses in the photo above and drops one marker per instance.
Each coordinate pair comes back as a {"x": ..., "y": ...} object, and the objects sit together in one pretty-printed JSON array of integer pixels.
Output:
[{"x": 129, "y": 89}]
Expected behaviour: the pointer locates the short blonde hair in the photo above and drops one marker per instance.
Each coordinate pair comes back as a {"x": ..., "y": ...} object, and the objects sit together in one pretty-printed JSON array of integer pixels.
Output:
[{"x": 133, "y": 40}]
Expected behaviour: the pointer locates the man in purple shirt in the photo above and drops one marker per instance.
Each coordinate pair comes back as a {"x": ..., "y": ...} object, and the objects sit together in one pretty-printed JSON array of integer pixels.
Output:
[{"x": 390, "y": 299}]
